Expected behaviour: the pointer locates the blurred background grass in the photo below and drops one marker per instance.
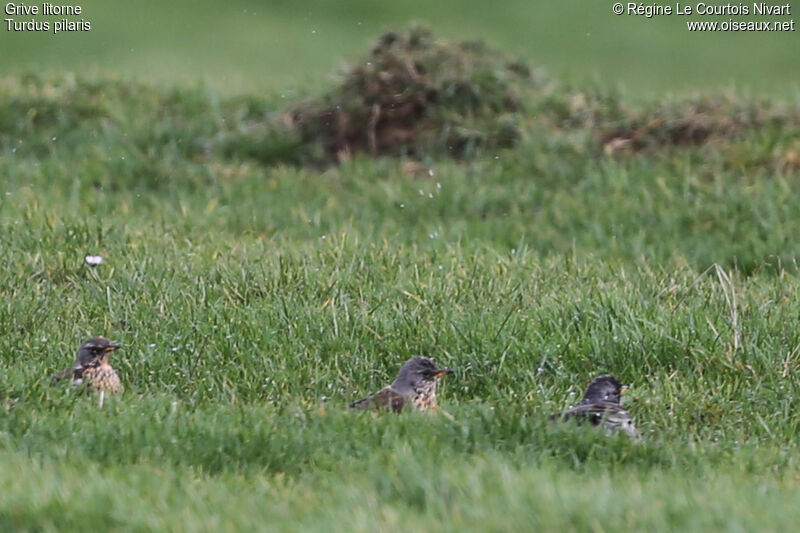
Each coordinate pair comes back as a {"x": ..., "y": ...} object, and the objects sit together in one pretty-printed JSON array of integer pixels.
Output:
[{"x": 245, "y": 46}]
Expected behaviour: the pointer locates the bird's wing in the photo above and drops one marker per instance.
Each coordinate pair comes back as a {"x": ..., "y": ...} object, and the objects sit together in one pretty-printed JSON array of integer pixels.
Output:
[
  {"x": 75, "y": 372},
  {"x": 613, "y": 417},
  {"x": 384, "y": 398},
  {"x": 592, "y": 412}
]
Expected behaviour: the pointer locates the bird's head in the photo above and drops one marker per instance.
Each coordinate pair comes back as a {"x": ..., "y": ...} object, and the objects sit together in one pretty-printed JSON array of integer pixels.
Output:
[
  {"x": 419, "y": 370},
  {"x": 604, "y": 389},
  {"x": 94, "y": 349}
]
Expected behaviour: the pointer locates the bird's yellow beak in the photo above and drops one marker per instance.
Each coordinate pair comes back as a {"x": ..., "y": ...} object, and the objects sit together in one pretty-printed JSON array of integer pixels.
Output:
[
  {"x": 111, "y": 347},
  {"x": 442, "y": 373},
  {"x": 624, "y": 388}
]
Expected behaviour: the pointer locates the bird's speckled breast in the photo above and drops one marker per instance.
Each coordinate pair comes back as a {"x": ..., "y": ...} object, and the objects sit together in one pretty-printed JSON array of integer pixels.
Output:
[
  {"x": 102, "y": 377},
  {"x": 425, "y": 395}
]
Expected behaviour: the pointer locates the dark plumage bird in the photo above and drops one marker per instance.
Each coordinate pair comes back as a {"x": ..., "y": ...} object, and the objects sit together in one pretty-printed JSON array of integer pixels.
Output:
[
  {"x": 92, "y": 367},
  {"x": 601, "y": 406},
  {"x": 415, "y": 385}
]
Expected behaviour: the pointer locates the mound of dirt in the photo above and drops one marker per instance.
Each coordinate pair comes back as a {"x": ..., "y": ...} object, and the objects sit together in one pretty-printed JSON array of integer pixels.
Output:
[
  {"x": 414, "y": 95},
  {"x": 689, "y": 122}
]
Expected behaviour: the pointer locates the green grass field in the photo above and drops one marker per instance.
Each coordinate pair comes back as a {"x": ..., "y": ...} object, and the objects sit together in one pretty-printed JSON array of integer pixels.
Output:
[{"x": 255, "y": 299}]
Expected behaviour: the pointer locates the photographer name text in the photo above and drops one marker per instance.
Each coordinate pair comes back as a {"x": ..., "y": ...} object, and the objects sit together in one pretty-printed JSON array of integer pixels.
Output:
[{"x": 655, "y": 9}]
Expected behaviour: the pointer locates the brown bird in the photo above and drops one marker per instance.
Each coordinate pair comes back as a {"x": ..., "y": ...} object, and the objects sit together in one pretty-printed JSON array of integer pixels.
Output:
[
  {"x": 92, "y": 368},
  {"x": 602, "y": 405},
  {"x": 415, "y": 385}
]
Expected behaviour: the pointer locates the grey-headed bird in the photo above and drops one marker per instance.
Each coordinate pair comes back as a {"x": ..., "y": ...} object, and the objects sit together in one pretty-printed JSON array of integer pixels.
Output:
[
  {"x": 92, "y": 367},
  {"x": 415, "y": 386},
  {"x": 601, "y": 406}
]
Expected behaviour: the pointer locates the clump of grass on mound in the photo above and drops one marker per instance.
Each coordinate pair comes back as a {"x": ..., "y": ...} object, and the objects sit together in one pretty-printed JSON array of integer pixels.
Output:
[
  {"x": 414, "y": 94},
  {"x": 691, "y": 122}
]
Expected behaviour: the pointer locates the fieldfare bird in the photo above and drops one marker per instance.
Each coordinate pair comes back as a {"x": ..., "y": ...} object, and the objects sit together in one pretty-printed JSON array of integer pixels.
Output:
[
  {"x": 92, "y": 368},
  {"x": 601, "y": 405},
  {"x": 415, "y": 385}
]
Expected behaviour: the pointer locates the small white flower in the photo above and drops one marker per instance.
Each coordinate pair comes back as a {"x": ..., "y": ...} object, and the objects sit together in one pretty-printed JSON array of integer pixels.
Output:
[{"x": 94, "y": 260}]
